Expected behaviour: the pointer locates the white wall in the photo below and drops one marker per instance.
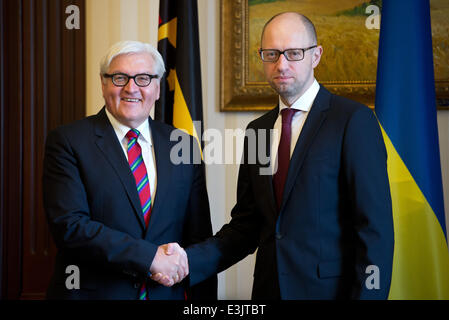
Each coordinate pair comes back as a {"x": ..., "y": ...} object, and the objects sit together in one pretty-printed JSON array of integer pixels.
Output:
[
  {"x": 109, "y": 21},
  {"x": 236, "y": 282}
]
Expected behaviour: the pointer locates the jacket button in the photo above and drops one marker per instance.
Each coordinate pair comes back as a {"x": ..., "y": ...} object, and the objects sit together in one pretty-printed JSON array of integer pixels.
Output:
[{"x": 279, "y": 236}]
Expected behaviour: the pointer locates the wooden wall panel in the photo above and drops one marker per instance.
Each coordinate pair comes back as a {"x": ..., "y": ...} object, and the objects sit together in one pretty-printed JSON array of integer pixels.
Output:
[
  {"x": 78, "y": 67},
  {"x": 36, "y": 259},
  {"x": 44, "y": 63},
  {"x": 2, "y": 117},
  {"x": 11, "y": 132}
]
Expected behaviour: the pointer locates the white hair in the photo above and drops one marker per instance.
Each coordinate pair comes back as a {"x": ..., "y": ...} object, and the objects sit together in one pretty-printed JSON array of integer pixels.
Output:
[{"x": 130, "y": 47}]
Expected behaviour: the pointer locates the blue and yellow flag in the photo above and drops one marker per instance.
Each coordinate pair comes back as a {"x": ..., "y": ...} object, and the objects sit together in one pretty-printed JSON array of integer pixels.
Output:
[{"x": 405, "y": 107}]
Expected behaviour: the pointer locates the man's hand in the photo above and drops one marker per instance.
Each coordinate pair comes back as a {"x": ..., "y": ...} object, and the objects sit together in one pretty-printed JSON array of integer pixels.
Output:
[{"x": 170, "y": 265}]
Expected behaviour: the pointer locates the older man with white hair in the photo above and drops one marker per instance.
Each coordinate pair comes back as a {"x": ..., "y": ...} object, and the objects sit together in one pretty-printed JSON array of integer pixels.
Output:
[{"x": 113, "y": 197}]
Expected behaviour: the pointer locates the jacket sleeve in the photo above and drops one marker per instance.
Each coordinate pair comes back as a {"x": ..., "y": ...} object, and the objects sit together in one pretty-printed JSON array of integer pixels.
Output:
[
  {"x": 365, "y": 173},
  {"x": 235, "y": 240},
  {"x": 199, "y": 226}
]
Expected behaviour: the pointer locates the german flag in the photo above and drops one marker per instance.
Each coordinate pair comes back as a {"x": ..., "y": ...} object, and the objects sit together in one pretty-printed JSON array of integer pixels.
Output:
[{"x": 180, "y": 102}]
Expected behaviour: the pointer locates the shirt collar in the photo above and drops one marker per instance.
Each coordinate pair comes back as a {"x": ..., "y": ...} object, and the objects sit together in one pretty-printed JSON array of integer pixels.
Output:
[
  {"x": 121, "y": 130},
  {"x": 304, "y": 103}
]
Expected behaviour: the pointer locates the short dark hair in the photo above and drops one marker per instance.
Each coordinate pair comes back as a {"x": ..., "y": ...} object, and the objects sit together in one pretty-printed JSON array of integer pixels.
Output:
[{"x": 308, "y": 24}]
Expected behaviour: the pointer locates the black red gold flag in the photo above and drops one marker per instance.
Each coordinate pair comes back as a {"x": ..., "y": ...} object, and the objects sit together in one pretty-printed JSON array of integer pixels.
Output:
[{"x": 180, "y": 102}]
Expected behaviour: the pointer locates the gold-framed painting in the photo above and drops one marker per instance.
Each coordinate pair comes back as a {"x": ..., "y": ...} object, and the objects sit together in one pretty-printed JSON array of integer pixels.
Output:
[{"x": 349, "y": 63}]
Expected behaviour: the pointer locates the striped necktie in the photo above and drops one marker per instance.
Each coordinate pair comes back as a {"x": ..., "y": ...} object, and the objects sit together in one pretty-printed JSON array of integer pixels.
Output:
[{"x": 139, "y": 171}]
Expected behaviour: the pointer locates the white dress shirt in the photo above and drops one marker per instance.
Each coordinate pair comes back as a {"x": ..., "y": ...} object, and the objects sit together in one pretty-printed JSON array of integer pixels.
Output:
[
  {"x": 303, "y": 104},
  {"x": 145, "y": 143}
]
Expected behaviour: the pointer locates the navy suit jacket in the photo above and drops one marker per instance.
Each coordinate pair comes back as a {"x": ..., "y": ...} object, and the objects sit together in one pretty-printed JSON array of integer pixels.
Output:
[
  {"x": 335, "y": 219},
  {"x": 96, "y": 220}
]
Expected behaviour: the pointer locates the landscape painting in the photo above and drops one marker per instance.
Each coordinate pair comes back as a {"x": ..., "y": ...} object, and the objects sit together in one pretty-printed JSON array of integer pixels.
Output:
[
  {"x": 350, "y": 49},
  {"x": 349, "y": 62}
]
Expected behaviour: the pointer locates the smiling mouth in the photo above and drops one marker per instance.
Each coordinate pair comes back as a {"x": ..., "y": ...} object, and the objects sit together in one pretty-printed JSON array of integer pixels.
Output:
[{"x": 130, "y": 100}]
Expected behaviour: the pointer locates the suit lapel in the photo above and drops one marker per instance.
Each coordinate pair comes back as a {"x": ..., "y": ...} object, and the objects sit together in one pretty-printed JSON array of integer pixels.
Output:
[
  {"x": 266, "y": 181},
  {"x": 110, "y": 147},
  {"x": 163, "y": 166},
  {"x": 311, "y": 127}
]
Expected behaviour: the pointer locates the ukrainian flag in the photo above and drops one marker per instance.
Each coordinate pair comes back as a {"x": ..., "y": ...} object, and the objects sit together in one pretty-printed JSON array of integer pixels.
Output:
[
  {"x": 180, "y": 101},
  {"x": 405, "y": 107}
]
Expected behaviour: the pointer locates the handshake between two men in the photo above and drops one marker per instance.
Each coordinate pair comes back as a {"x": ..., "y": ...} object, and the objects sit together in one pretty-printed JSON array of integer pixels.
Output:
[{"x": 170, "y": 264}]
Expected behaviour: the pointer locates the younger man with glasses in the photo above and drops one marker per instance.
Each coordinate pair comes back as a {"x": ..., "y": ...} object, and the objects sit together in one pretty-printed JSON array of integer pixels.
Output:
[
  {"x": 322, "y": 222},
  {"x": 113, "y": 197}
]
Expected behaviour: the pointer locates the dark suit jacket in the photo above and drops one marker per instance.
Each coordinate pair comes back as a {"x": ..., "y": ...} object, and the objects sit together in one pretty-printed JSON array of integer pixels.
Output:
[
  {"x": 335, "y": 218},
  {"x": 95, "y": 217}
]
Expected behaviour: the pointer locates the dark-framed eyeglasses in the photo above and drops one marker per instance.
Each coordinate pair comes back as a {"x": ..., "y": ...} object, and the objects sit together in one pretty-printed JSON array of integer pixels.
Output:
[
  {"x": 122, "y": 79},
  {"x": 272, "y": 55}
]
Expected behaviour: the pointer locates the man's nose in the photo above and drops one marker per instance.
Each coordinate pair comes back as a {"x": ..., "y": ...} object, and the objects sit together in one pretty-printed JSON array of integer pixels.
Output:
[
  {"x": 131, "y": 86},
  {"x": 282, "y": 62}
]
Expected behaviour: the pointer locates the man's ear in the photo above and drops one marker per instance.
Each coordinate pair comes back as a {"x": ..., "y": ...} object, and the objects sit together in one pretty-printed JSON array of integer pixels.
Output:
[
  {"x": 103, "y": 85},
  {"x": 316, "y": 57},
  {"x": 158, "y": 89}
]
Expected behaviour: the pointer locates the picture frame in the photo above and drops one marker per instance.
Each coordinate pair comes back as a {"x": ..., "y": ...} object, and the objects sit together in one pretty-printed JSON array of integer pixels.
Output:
[{"x": 242, "y": 87}]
